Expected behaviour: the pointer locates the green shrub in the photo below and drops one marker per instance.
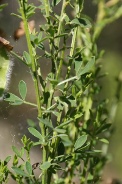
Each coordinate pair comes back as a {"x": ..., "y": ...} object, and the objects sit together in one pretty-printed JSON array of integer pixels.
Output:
[{"x": 72, "y": 146}]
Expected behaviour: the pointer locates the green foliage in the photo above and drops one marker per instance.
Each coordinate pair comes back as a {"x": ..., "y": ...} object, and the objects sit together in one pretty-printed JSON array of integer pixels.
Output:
[
  {"x": 80, "y": 130},
  {"x": 80, "y": 142},
  {"x": 4, "y": 171}
]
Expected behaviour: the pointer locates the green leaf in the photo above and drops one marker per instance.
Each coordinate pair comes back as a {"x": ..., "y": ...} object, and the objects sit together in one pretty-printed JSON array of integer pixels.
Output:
[
  {"x": 62, "y": 131},
  {"x": 46, "y": 122},
  {"x": 33, "y": 38},
  {"x": 82, "y": 148},
  {"x": 61, "y": 35},
  {"x": 56, "y": 166},
  {"x": 29, "y": 168},
  {"x": 30, "y": 10},
  {"x": 16, "y": 15},
  {"x": 57, "y": 114},
  {"x": 37, "y": 143},
  {"x": 17, "y": 152},
  {"x": 45, "y": 165},
  {"x": 53, "y": 81},
  {"x": 27, "y": 58},
  {"x": 55, "y": 2},
  {"x": 67, "y": 80},
  {"x": 15, "y": 160},
  {"x": 62, "y": 135},
  {"x": 31, "y": 123},
  {"x": 80, "y": 142},
  {"x": 87, "y": 67},
  {"x": 103, "y": 128},
  {"x": 7, "y": 159},
  {"x": 40, "y": 37},
  {"x": 22, "y": 151},
  {"x": 13, "y": 99},
  {"x": 63, "y": 158},
  {"x": 90, "y": 177},
  {"x": 78, "y": 65},
  {"x": 65, "y": 140},
  {"x": 83, "y": 22},
  {"x": 93, "y": 151},
  {"x": 19, "y": 171},
  {"x": 64, "y": 123},
  {"x": 104, "y": 140},
  {"x": 97, "y": 151},
  {"x": 36, "y": 133},
  {"x": 78, "y": 115},
  {"x": 22, "y": 89}
]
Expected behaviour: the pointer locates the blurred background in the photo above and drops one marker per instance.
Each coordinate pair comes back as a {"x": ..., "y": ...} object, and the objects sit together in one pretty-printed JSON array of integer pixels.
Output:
[{"x": 13, "y": 119}]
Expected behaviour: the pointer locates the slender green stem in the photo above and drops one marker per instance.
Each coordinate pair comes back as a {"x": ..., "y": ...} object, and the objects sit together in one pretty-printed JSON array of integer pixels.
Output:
[
  {"x": 32, "y": 104},
  {"x": 73, "y": 43},
  {"x": 47, "y": 8},
  {"x": 71, "y": 54},
  {"x": 17, "y": 56},
  {"x": 29, "y": 103},
  {"x": 86, "y": 166},
  {"x": 33, "y": 64},
  {"x": 61, "y": 19},
  {"x": 60, "y": 65},
  {"x": 46, "y": 178},
  {"x": 35, "y": 79},
  {"x": 88, "y": 106},
  {"x": 60, "y": 30}
]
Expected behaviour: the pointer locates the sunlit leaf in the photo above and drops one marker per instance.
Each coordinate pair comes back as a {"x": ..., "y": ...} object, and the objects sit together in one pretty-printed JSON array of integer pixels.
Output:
[
  {"x": 80, "y": 142},
  {"x": 65, "y": 140},
  {"x": 104, "y": 140},
  {"x": 45, "y": 165},
  {"x": 36, "y": 133}
]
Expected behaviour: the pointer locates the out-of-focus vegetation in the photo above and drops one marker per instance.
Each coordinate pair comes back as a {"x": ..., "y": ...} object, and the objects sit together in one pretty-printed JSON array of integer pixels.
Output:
[{"x": 111, "y": 41}]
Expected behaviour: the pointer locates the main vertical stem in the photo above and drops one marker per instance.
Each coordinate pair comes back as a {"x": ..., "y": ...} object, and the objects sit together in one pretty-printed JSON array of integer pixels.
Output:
[{"x": 36, "y": 82}]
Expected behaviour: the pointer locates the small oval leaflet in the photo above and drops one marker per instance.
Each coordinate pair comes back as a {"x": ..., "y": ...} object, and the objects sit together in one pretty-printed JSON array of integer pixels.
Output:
[
  {"x": 36, "y": 133},
  {"x": 19, "y": 171},
  {"x": 45, "y": 165},
  {"x": 22, "y": 89},
  {"x": 29, "y": 168},
  {"x": 80, "y": 142}
]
